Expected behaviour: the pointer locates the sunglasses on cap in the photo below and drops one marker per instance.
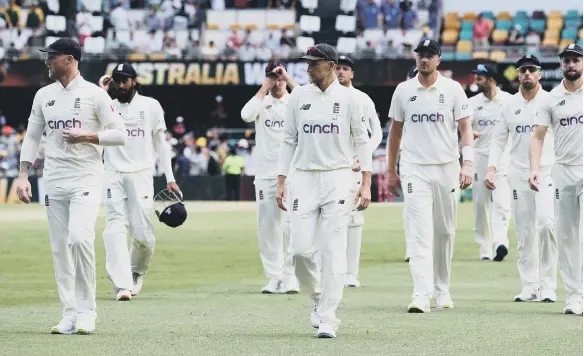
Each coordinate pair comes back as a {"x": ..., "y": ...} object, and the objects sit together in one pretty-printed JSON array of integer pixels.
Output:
[
  {"x": 530, "y": 69},
  {"x": 482, "y": 69},
  {"x": 312, "y": 50}
]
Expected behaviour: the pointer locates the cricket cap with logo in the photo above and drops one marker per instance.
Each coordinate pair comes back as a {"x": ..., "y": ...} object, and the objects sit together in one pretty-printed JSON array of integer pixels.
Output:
[
  {"x": 485, "y": 70},
  {"x": 64, "y": 45},
  {"x": 124, "y": 70},
  {"x": 528, "y": 60},
  {"x": 571, "y": 50},
  {"x": 321, "y": 51},
  {"x": 428, "y": 46},
  {"x": 273, "y": 65},
  {"x": 346, "y": 60},
  {"x": 174, "y": 213}
]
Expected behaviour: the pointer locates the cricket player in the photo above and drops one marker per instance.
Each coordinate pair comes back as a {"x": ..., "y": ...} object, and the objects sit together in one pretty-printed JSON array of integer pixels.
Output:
[
  {"x": 563, "y": 113},
  {"x": 268, "y": 110},
  {"x": 129, "y": 184},
  {"x": 78, "y": 118},
  {"x": 532, "y": 211},
  {"x": 325, "y": 128},
  {"x": 345, "y": 73},
  {"x": 427, "y": 111},
  {"x": 492, "y": 208}
]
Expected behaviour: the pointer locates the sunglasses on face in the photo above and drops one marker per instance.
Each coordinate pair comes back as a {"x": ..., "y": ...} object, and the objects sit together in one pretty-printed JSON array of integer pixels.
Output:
[
  {"x": 312, "y": 50},
  {"x": 530, "y": 69}
]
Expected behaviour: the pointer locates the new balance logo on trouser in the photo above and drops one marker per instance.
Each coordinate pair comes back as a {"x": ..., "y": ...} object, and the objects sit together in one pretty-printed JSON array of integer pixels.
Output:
[
  {"x": 354, "y": 237},
  {"x": 430, "y": 201},
  {"x": 273, "y": 238},
  {"x": 129, "y": 197},
  {"x": 492, "y": 211},
  {"x": 568, "y": 214},
  {"x": 533, "y": 213}
]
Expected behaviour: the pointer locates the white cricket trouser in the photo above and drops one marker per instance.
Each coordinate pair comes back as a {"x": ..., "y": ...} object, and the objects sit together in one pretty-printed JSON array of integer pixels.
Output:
[
  {"x": 430, "y": 201},
  {"x": 492, "y": 208},
  {"x": 273, "y": 227},
  {"x": 355, "y": 232},
  {"x": 320, "y": 202},
  {"x": 72, "y": 210},
  {"x": 533, "y": 213},
  {"x": 129, "y": 199},
  {"x": 568, "y": 184}
]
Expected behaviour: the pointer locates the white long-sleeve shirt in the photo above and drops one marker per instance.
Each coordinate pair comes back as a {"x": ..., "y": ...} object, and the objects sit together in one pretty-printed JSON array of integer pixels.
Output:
[
  {"x": 81, "y": 105},
  {"x": 145, "y": 127},
  {"x": 372, "y": 120},
  {"x": 323, "y": 130},
  {"x": 563, "y": 113},
  {"x": 517, "y": 122},
  {"x": 269, "y": 115},
  {"x": 430, "y": 117}
]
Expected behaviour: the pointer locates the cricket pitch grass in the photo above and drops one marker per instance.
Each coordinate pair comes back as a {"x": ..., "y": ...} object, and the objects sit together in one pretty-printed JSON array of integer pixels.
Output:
[{"x": 202, "y": 297}]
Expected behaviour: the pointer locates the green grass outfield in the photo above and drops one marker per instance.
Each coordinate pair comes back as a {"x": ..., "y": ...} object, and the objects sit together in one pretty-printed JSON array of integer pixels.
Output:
[{"x": 202, "y": 297}]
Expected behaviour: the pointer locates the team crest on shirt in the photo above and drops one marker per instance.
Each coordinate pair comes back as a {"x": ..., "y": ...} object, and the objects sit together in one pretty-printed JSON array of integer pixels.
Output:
[
  {"x": 76, "y": 106},
  {"x": 142, "y": 116},
  {"x": 441, "y": 98},
  {"x": 480, "y": 108},
  {"x": 336, "y": 111}
]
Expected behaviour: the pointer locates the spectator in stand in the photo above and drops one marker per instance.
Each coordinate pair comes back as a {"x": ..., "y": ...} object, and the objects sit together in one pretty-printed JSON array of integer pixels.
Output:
[
  {"x": 287, "y": 39},
  {"x": 14, "y": 12},
  {"x": 391, "y": 14},
  {"x": 247, "y": 53},
  {"x": 234, "y": 168},
  {"x": 120, "y": 18},
  {"x": 152, "y": 21},
  {"x": 83, "y": 23},
  {"x": 409, "y": 18},
  {"x": 35, "y": 18},
  {"x": 271, "y": 42},
  {"x": 199, "y": 17},
  {"x": 179, "y": 129},
  {"x": 369, "y": 13},
  {"x": 263, "y": 53},
  {"x": 193, "y": 51},
  {"x": 182, "y": 165},
  {"x": 234, "y": 41},
  {"x": 516, "y": 38},
  {"x": 481, "y": 31},
  {"x": 210, "y": 52}
]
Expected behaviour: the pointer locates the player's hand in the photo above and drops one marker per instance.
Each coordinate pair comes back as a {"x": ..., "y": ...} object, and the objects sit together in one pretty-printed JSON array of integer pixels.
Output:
[
  {"x": 356, "y": 166},
  {"x": 23, "y": 190},
  {"x": 490, "y": 180},
  {"x": 363, "y": 197},
  {"x": 74, "y": 135},
  {"x": 534, "y": 181},
  {"x": 104, "y": 82},
  {"x": 281, "y": 195},
  {"x": 268, "y": 84},
  {"x": 394, "y": 183},
  {"x": 173, "y": 187},
  {"x": 476, "y": 134},
  {"x": 465, "y": 176}
]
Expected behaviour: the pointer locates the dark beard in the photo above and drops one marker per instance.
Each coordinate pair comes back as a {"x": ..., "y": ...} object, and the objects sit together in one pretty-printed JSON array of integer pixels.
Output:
[
  {"x": 572, "y": 77},
  {"x": 124, "y": 96},
  {"x": 480, "y": 89}
]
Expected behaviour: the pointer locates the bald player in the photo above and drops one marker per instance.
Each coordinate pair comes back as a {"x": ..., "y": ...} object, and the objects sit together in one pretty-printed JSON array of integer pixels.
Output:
[
  {"x": 563, "y": 114},
  {"x": 345, "y": 73}
]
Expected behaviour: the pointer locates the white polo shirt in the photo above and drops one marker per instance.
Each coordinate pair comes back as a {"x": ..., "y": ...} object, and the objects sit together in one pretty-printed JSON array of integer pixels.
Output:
[
  {"x": 430, "y": 118},
  {"x": 372, "y": 120},
  {"x": 321, "y": 129},
  {"x": 81, "y": 105},
  {"x": 563, "y": 113},
  {"x": 269, "y": 115},
  {"x": 144, "y": 118},
  {"x": 518, "y": 122}
]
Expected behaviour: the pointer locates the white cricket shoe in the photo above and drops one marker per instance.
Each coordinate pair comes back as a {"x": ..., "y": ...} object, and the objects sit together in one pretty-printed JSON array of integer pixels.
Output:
[
  {"x": 65, "y": 326},
  {"x": 314, "y": 319},
  {"x": 85, "y": 324},
  {"x": 123, "y": 295},
  {"x": 547, "y": 295},
  {"x": 326, "y": 331},
  {"x": 573, "y": 306},
  {"x": 352, "y": 281},
  {"x": 527, "y": 295},
  {"x": 138, "y": 281},
  {"x": 290, "y": 286},
  {"x": 443, "y": 301},
  {"x": 419, "y": 304},
  {"x": 272, "y": 287}
]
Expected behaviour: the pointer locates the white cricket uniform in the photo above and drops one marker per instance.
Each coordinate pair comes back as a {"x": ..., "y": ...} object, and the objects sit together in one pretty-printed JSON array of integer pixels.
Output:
[
  {"x": 73, "y": 176},
  {"x": 319, "y": 137},
  {"x": 273, "y": 224},
  {"x": 492, "y": 209},
  {"x": 430, "y": 168},
  {"x": 563, "y": 114},
  {"x": 129, "y": 189},
  {"x": 532, "y": 212},
  {"x": 355, "y": 230}
]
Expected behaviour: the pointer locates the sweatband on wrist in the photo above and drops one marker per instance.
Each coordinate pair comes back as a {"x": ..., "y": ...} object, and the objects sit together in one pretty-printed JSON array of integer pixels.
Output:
[{"x": 467, "y": 153}]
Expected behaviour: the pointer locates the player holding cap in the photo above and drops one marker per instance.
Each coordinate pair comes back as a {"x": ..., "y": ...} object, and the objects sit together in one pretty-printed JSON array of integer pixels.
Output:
[
  {"x": 345, "y": 73},
  {"x": 532, "y": 212},
  {"x": 78, "y": 118},
  {"x": 427, "y": 110},
  {"x": 129, "y": 183},
  {"x": 325, "y": 128},
  {"x": 492, "y": 208},
  {"x": 563, "y": 112},
  {"x": 268, "y": 110}
]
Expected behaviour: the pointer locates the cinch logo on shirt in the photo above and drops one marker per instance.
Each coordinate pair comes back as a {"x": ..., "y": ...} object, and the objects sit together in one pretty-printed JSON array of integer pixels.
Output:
[
  {"x": 64, "y": 124},
  {"x": 135, "y": 132},
  {"x": 274, "y": 123},
  {"x": 525, "y": 128},
  {"x": 321, "y": 129},
  {"x": 488, "y": 122},
  {"x": 428, "y": 118},
  {"x": 568, "y": 121}
]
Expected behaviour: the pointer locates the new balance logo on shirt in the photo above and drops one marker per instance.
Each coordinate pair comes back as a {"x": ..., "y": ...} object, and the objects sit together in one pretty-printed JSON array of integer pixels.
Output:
[
  {"x": 305, "y": 107},
  {"x": 50, "y": 103}
]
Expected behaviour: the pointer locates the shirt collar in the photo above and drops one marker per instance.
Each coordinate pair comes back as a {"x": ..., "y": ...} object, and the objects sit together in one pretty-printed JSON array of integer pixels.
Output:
[
  {"x": 495, "y": 98},
  {"x": 435, "y": 85},
  {"x": 283, "y": 99},
  {"x": 566, "y": 92},
  {"x": 76, "y": 82},
  {"x": 331, "y": 88}
]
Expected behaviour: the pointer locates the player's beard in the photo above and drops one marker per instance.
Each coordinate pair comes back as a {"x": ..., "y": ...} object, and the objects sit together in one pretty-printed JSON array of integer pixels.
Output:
[
  {"x": 124, "y": 96},
  {"x": 573, "y": 76},
  {"x": 481, "y": 89},
  {"x": 529, "y": 85}
]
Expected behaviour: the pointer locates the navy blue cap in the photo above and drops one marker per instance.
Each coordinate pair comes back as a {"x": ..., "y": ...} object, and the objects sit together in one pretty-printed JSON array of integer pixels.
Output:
[
  {"x": 528, "y": 59},
  {"x": 64, "y": 45},
  {"x": 571, "y": 50}
]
